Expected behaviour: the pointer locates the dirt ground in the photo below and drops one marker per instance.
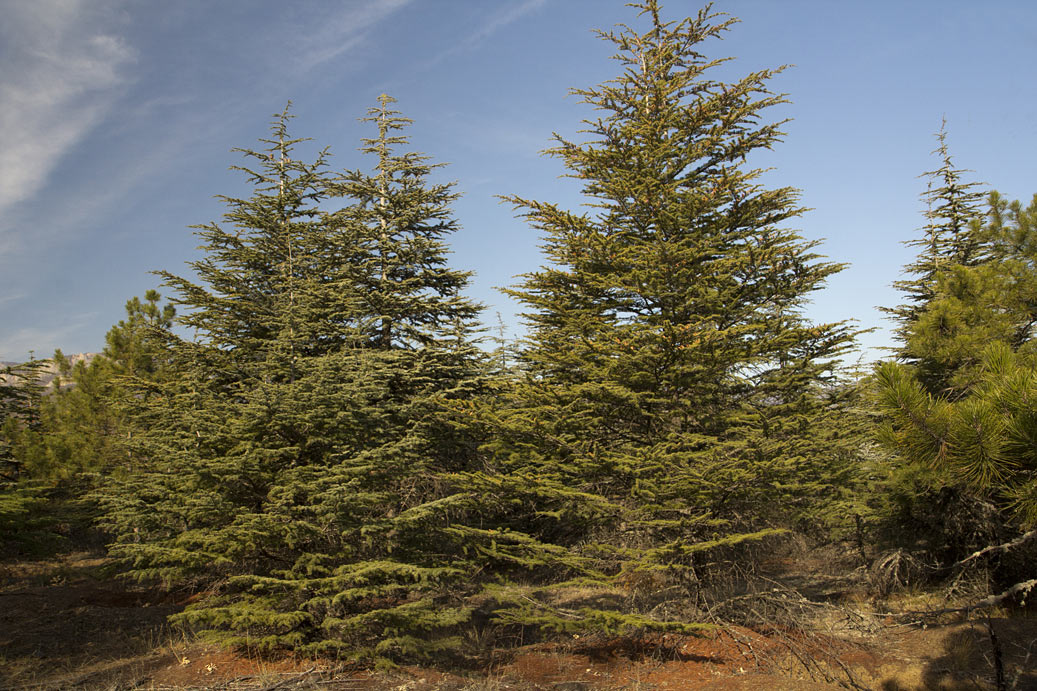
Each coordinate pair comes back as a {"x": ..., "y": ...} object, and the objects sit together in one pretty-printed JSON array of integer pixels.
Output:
[{"x": 65, "y": 623}]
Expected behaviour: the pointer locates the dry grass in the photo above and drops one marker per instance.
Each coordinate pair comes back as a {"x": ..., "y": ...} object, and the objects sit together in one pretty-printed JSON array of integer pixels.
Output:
[{"x": 794, "y": 623}]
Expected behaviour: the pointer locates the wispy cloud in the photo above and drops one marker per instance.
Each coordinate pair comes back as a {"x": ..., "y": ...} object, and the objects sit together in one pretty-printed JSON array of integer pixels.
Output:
[
  {"x": 59, "y": 76},
  {"x": 13, "y": 297},
  {"x": 344, "y": 30},
  {"x": 15, "y": 347},
  {"x": 498, "y": 20}
]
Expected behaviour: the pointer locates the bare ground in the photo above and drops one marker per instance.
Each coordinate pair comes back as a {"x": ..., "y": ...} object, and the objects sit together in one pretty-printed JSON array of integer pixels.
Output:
[{"x": 65, "y": 623}]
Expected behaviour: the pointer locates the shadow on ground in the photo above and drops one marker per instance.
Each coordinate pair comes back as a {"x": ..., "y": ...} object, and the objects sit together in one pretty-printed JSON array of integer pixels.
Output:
[
  {"x": 65, "y": 619},
  {"x": 965, "y": 659}
]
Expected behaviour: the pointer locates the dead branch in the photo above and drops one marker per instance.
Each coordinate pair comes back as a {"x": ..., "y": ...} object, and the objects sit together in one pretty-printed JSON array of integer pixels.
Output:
[
  {"x": 293, "y": 678},
  {"x": 987, "y": 602},
  {"x": 1025, "y": 537}
]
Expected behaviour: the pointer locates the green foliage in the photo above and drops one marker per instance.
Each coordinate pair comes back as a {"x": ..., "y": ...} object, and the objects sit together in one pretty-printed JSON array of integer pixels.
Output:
[
  {"x": 400, "y": 217},
  {"x": 58, "y": 439},
  {"x": 951, "y": 236},
  {"x": 21, "y": 519},
  {"x": 301, "y": 458},
  {"x": 983, "y": 442},
  {"x": 975, "y": 305},
  {"x": 964, "y": 473},
  {"x": 81, "y": 423},
  {"x": 673, "y": 394},
  {"x": 135, "y": 345},
  {"x": 21, "y": 396},
  {"x": 332, "y": 461},
  {"x": 38, "y": 518},
  {"x": 958, "y": 415}
]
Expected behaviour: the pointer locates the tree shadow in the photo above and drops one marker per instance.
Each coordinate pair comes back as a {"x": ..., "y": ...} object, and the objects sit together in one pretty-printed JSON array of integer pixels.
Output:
[
  {"x": 67, "y": 614},
  {"x": 967, "y": 659},
  {"x": 641, "y": 648}
]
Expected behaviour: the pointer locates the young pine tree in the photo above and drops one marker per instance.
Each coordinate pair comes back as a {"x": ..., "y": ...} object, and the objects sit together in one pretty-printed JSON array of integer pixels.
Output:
[
  {"x": 676, "y": 398},
  {"x": 77, "y": 432},
  {"x": 959, "y": 418},
  {"x": 83, "y": 421}
]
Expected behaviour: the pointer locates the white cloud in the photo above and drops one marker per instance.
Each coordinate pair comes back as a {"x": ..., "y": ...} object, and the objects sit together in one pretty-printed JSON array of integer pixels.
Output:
[
  {"x": 60, "y": 72},
  {"x": 13, "y": 297},
  {"x": 501, "y": 19},
  {"x": 344, "y": 30},
  {"x": 15, "y": 347},
  {"x": 497, "y": 21}
]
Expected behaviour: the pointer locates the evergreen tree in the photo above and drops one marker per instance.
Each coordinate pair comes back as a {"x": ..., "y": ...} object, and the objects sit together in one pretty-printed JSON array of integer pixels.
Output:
[
  {"x": 973, "y": 305},
  {"x": 82, "y": 420},
  {"x": 12, "y": 406},
  {"x": 134, "y": 345},
  {"x": 1011, "y": 235},
  {"x": 66, "y": 439},
  {"x": 299, "y": 461},
  {"x": 27, "y": 520},
  {"x": 402, "y": 274},
  {"x": 21, "y": 397},
  {"x": 956, "y": 418},
  {"x": 951, "y": 237},
  {"x": 984, "y": 443},
  {"x": 675, "y": 398}
]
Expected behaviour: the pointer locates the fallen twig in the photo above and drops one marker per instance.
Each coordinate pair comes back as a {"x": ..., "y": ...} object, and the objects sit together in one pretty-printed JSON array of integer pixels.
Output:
[
  {"x": 1025, "y": 537},
  {"x": 285, "y": 682},
  {"x": 987, "y": 602}
]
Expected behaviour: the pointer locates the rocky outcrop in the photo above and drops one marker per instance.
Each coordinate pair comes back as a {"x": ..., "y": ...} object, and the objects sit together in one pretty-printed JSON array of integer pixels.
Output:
[{"x": 49, "y": 371}]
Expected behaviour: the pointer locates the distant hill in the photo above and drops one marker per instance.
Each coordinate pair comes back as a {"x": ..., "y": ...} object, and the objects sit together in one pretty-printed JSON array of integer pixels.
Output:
[{"x": 50, "y": 370}]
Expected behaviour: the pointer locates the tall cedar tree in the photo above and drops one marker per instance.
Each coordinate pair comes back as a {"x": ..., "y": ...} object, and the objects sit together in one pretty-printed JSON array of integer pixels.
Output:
[
  {"x": 299, "y": 464},
  {"x": 952, "y": 235},
  {"x": 22, "y": 501},
  {"x": 21, "y": 395},
  {"x": 676, "y": 401}
]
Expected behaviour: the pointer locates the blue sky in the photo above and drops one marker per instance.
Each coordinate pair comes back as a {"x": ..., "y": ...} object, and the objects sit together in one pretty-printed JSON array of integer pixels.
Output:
[{"x": 118, "y": 117}]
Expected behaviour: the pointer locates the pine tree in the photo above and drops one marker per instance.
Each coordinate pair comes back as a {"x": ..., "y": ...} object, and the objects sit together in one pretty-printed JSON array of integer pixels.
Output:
[
  {"x": 12, "y": 407},
  {"x": 134, "y": 345},
  {"x": 1011, "y": 235},
  {"x": 983, "y": 442},
  {"x": 27, "y": 523},
  {"x": 958, "y": 418},
  {"x": 300, "y": 460},
  {"x": 675, "y": 397},
  {"x": 59, "y": 439},
  {"x": 82, "y": 419},
  {"x": 973, "y": 304}
]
